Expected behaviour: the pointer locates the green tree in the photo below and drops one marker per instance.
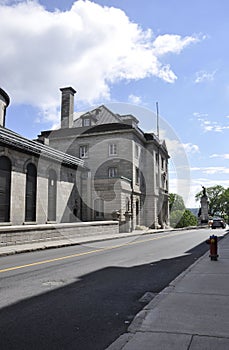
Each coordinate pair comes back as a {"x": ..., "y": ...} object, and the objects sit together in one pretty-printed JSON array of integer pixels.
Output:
[
  {"x": 179, "y": 218},
  {"x": 188, "y": 219},
  {"x": 176, "y": 202},
  {"x": 225, "y": 204},
  {"x": 179, "y": 215},
  {"x": 215, "y": 198}
]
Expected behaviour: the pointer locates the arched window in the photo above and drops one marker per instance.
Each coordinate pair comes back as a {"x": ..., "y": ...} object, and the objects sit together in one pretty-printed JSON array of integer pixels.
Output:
[
  {"x": 5, "y": 188},
  {"x": 31, "y": 192},
  {"x": 52, "y": 195}
]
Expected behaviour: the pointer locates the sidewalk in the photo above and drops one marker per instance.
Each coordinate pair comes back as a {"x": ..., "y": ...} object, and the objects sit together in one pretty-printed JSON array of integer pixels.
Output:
[
  {"x": 192, "y": 313},
  {"x": 33, "y": 246}
]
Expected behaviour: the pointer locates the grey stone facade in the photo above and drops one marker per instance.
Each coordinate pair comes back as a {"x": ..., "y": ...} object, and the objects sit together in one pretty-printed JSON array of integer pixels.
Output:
[
  {"x": 128, "y": 178},
  {"x": 38, "y": 184},
  {"x": 98, "y": 167}
]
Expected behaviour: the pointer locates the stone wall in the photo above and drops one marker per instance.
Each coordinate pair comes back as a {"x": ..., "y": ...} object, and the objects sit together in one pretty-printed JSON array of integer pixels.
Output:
[{"x": 11, "y": 235}]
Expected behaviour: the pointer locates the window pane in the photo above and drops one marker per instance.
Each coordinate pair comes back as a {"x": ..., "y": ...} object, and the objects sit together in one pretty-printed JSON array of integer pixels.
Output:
[
  {"x": 112, "y": 149},
  {"x": 5, "y": 189},
  {"x": 52, "y": 192},
  {"x": 112, "y": 172},
  {"x": 83, "y": 151},
  {"x": 31, "y": 193},
  {"x": 86, "y": 122}
]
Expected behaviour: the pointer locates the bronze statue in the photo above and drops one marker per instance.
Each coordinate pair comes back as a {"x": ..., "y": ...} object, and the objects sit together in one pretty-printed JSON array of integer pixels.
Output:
[{"x": 204, "y": 191}]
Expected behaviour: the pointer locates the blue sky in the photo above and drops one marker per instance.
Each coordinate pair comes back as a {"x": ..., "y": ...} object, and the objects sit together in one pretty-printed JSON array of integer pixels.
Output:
[{"x": 138, "y": 52}]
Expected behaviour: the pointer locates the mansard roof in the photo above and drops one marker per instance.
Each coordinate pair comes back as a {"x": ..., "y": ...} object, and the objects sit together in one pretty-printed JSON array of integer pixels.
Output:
[
  {"x": 101, "y": 115},
  {"x": 18, "y": 142},
  {"x": 104, "y": 121}
]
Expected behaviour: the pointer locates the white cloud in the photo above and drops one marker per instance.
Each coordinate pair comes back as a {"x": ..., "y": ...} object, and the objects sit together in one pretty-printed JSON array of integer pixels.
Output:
[
  {"x": 172, "y": 43},
  {"x": 224, "y": 156},
  {"x": 191, "y": 148},
  {"x": 203, "y": 76},
  {"x": 211, "y": 170},
  {"x": 134, "y": 99},
  {"x": 175, "y": 147},
  {"x": 208, "y": 125},
  {"x": 88, "y": 47}
]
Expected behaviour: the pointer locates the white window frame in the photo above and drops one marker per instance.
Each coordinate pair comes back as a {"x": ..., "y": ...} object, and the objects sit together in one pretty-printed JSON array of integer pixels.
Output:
[
  {"x": 112, "y": 149},
  {"x": 86, "y": 122},
  {"x": 112, "y": 172},
  {"x": 83, "y": 151}
]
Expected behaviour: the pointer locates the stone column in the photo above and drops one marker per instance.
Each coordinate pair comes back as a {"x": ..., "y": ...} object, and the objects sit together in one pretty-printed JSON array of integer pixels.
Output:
[{"x": 204, "y": 208}]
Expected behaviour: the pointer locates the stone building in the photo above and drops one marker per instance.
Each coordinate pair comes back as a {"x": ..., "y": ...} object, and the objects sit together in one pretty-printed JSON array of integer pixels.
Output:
[
  {"x": 38, "y": 184},
  {"x": 128, "y": 178}
]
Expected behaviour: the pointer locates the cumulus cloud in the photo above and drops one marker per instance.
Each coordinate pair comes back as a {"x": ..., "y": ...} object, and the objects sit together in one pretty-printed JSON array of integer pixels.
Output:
[
  {"x": 136, "y": 100},
  {"x": 88, "y": 47},
  {"x": 191, "y": 148},
  {"x": 171, "y": 43},
  {"x": 176, "y": 147}
]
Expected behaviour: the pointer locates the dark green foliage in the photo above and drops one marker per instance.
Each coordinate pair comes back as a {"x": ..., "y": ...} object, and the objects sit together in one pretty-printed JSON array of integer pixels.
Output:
[
  {"x": 179, "y": 218},
  {"x": 179, "y": 215},
  {"x": 218, "y": 200},
  {"x": 176, "y": 202}
]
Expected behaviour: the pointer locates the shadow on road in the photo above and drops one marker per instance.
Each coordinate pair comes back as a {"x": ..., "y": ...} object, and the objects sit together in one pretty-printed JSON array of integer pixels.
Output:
[{"x": 90, "y": 313}]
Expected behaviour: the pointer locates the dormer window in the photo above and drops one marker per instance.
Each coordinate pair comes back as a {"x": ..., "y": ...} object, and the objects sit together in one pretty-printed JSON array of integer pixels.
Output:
[{"x": 86, "y": 122}]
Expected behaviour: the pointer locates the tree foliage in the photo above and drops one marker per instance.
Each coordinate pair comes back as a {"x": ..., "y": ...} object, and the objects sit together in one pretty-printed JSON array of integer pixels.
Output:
[
  {"x": 180, "y": 218},
  {"x": 176, "y": 202},
  {"x": 179, "y": 215},
  {"x": 218, "y": 200}
]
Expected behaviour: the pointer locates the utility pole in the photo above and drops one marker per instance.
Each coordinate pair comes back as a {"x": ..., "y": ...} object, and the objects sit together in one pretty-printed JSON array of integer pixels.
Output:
[{"x": 157, "y": 119}]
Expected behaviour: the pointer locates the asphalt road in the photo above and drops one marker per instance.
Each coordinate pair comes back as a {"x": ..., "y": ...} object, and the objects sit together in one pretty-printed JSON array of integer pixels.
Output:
[{"x": 84, "y": 297}]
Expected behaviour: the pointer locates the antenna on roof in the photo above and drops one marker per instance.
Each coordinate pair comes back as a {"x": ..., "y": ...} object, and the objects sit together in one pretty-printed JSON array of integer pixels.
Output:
[{"x": 157, "y": 119}]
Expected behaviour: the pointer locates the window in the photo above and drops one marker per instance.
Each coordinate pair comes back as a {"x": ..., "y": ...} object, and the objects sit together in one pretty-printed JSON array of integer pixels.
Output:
[
  {"x": 86, "y": 122},
  {"x": 5, "y": 188},
  {"x": 136, "y": 151},
  {"x": 127, "y": 204},
  {"x": 99, "y": 208},
  {"x": 112, "y": 149},
  {"x": 52, "y": 181},
  {"x": 162, "y": 163},
  {"x": 83, "y": 151},
  {"x": 137, "y": 176},
  {"x": 112, "y": 172},
  {"x": 31, "y": 192}
]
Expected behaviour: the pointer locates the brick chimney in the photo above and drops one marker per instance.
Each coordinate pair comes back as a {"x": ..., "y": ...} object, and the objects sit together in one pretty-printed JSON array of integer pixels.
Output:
[
  {"x": 4, "y": 103},
  {"x": 67, "y": 107}
]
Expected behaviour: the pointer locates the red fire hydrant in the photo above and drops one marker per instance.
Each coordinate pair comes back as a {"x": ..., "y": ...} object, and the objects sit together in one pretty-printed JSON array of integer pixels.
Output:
[{"x": 213, "y": 242}]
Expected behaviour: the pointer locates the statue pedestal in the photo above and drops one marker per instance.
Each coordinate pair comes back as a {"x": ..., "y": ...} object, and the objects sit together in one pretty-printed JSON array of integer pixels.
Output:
[{"x": 204, "y": 210}]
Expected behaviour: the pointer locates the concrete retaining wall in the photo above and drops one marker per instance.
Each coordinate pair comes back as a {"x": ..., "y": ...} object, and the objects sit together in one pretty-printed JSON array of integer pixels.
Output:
[{"x": 11, "y": 235}]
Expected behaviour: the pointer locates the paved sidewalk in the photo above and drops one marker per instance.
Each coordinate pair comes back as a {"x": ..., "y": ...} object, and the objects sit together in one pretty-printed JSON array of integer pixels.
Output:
[
  {"x": 33, "y": 246},
  {"x": 192, "y": 313}
]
